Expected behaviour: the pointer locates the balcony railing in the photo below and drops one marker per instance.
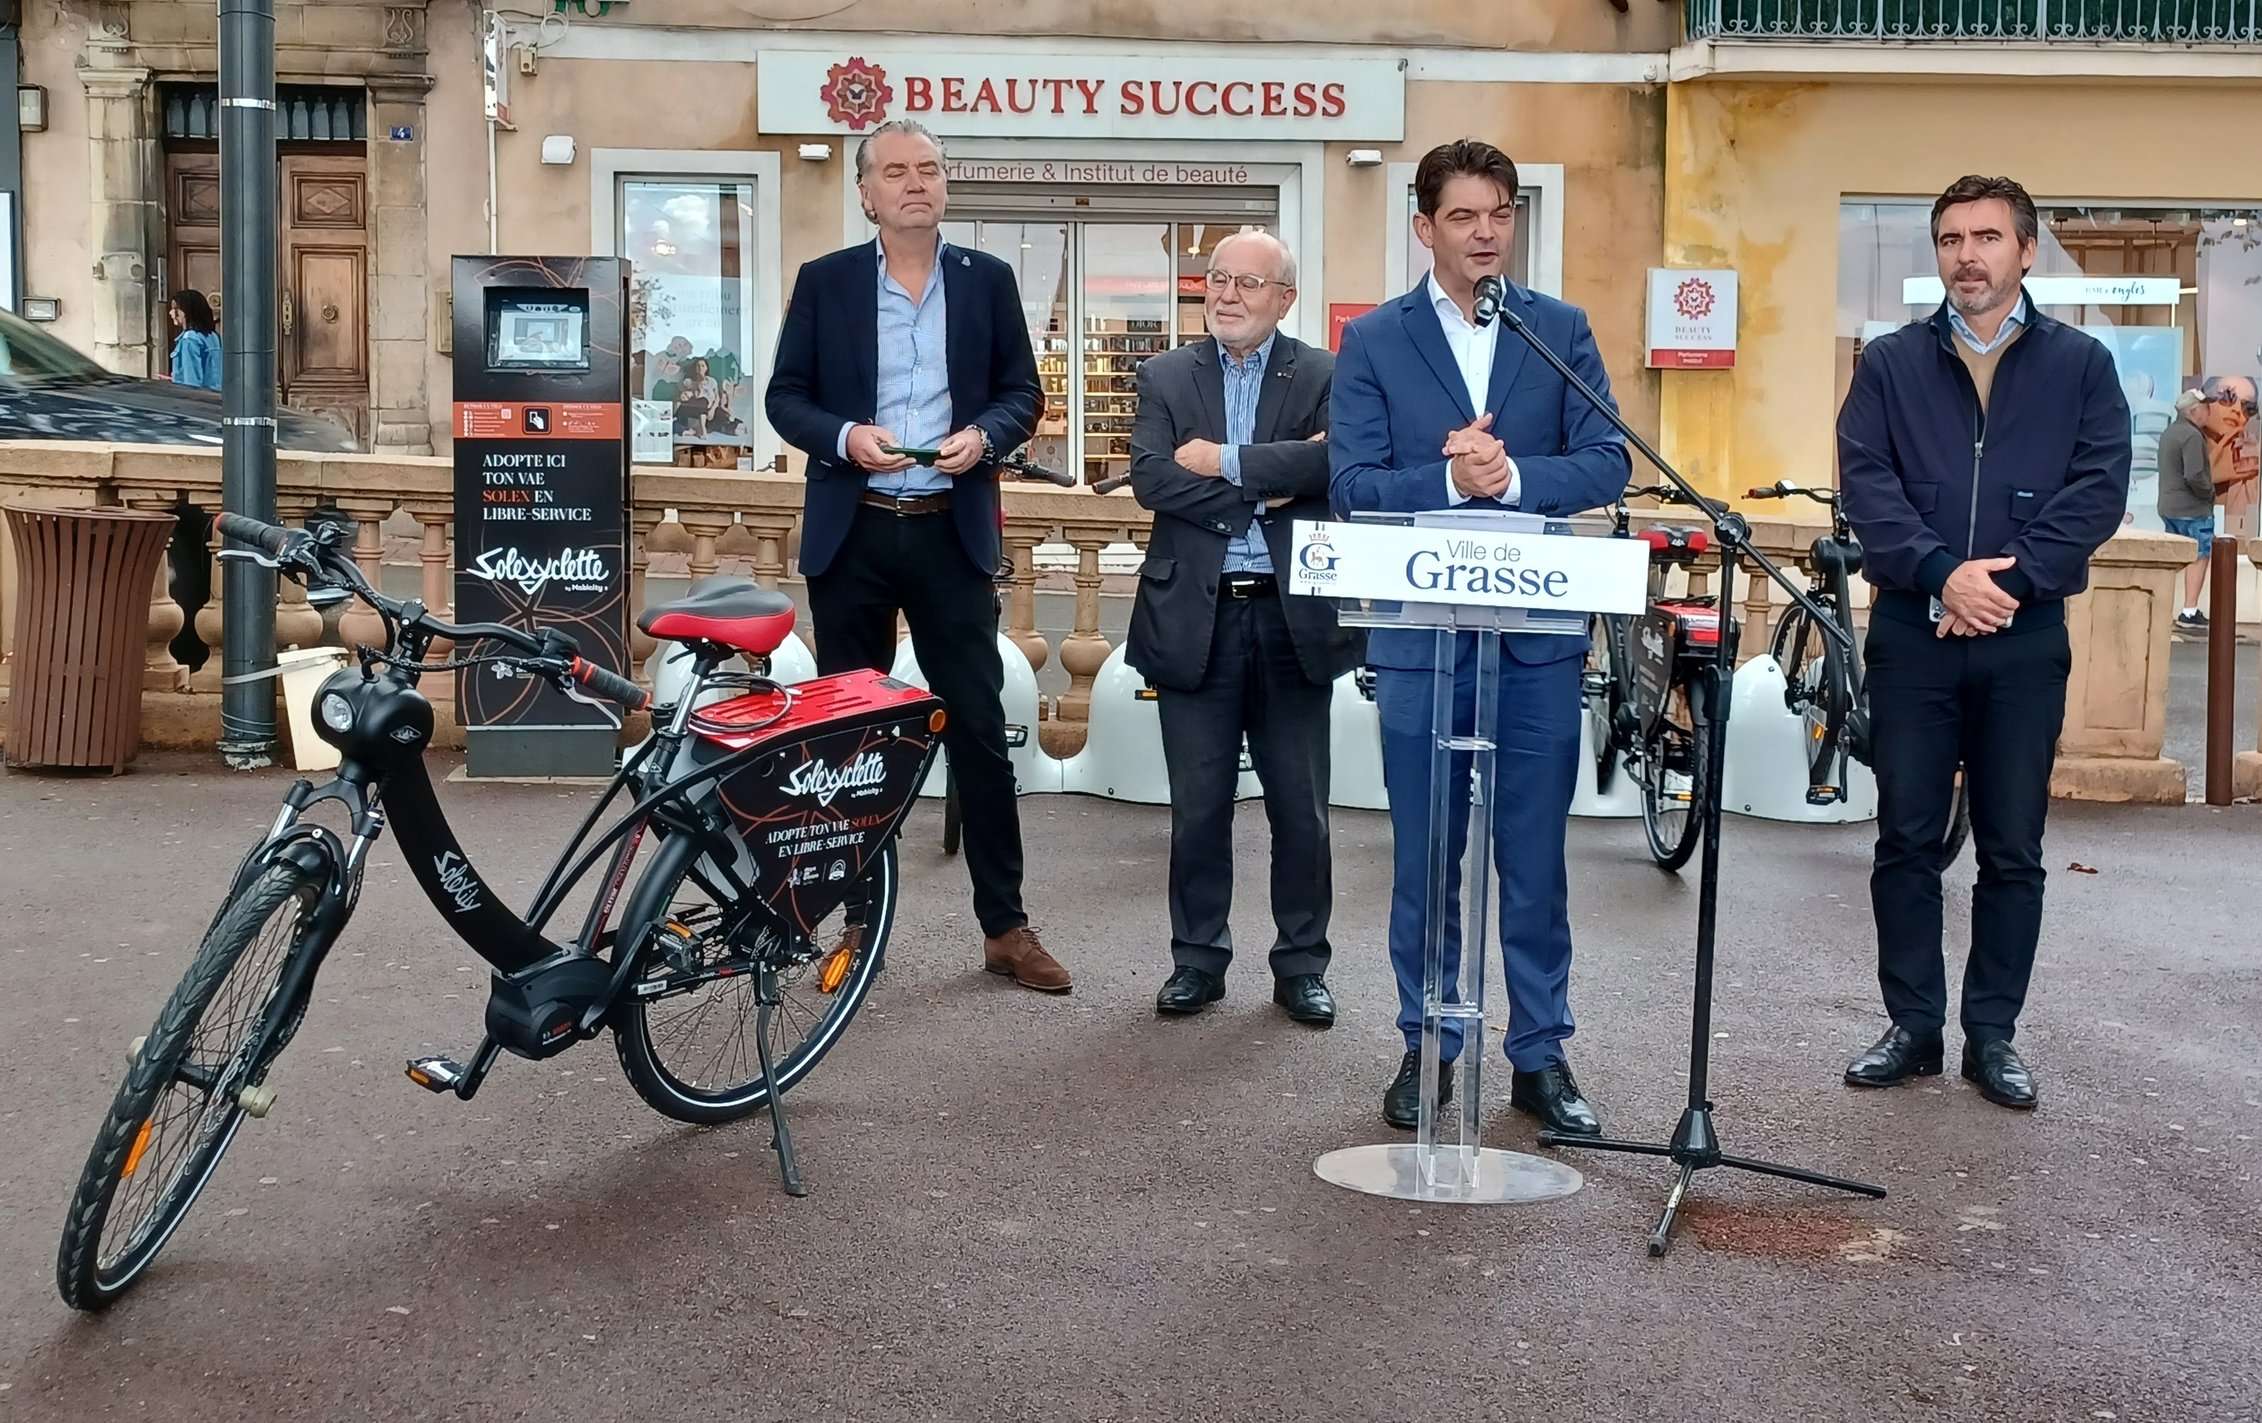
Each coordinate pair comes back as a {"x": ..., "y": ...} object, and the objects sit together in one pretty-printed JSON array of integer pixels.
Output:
[{"x": 2181, "y": 22}]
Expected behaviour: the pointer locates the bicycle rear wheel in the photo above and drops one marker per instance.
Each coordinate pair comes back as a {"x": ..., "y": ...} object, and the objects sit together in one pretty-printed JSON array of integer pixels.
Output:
[
  {"x": 691, "y": 1054},
  {"x": 1674, "y": 776},
  {"x": 187, "y": 1089},
  {"x": 1959, "y": 821},
  {"x": 1818, "y": 689},
  {"x": 953, "y": 816},
  {"x": 1608, "y": 671}
]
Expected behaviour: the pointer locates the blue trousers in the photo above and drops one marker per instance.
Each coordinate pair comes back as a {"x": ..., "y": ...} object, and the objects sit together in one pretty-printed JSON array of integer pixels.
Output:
[{"x": 1535, "y": 772}]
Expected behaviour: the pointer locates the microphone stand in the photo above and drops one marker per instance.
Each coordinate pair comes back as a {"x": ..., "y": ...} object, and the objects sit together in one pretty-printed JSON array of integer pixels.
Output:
[{"x": 1696, "y": 1142}]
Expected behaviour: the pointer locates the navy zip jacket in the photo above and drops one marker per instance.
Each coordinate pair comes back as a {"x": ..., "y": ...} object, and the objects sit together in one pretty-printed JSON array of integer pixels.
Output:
[{"x": 1930, "y": 481}]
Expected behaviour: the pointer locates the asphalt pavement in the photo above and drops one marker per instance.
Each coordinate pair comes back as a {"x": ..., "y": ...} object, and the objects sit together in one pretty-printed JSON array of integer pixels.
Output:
[{"x": 1062, "y": 1209}]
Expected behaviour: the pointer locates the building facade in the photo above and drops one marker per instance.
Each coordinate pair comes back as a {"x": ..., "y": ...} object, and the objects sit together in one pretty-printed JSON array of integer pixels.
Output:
[{"x": 1103, "y": 147}]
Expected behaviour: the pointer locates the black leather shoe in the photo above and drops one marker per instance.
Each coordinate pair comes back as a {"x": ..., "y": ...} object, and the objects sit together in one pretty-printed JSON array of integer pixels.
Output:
[
  {"x": 2002, "y": 1077},
  {"x": 1306, "y": 998},
  {"x": 1189, "y": 990},
  {"x": 1896, "y": 1057},
  {"x": 1552, "y": 1095},
  {"x": 1401, "y": 1101}
]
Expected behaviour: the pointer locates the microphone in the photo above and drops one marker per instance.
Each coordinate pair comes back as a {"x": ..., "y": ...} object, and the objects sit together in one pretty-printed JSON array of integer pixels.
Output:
[{"x": 1491, "y": 291}]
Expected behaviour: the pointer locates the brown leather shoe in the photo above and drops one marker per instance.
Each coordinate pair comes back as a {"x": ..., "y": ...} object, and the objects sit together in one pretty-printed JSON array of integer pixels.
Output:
[{"x": 1018, "y": 954}]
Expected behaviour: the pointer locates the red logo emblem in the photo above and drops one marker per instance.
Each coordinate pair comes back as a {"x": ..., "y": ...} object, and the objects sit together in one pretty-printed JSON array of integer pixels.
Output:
[
  {"x": 1694, "y": 298},
  {"x": 857, "y": 94}
]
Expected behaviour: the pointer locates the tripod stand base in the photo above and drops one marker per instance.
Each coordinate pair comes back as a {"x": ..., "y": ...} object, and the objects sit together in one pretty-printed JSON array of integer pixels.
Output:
[
  {"x": 1501, "y": 1178},
  {"x": 1696, "y": 1147}
]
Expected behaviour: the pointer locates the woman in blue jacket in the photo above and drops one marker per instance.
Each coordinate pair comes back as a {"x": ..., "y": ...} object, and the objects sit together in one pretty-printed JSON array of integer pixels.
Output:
[{"x": 196, "y": 352}]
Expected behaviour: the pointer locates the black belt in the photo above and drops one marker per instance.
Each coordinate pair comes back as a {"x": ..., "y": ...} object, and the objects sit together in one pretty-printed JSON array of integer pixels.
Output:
[
  {"x": 909, "y": 503},
  {"x": 1248, "y": 585}
]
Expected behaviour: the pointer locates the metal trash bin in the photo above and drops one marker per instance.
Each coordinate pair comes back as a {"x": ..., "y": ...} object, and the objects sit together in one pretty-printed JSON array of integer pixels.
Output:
[{"x": 81, "y": 632}]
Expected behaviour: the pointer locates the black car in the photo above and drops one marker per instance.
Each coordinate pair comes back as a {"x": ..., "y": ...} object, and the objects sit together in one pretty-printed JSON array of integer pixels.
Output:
[{"x": 50, "y": 392}]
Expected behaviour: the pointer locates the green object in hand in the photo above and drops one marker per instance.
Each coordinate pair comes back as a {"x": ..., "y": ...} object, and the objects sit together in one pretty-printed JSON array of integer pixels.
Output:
[{"x": 915, "y": 456}]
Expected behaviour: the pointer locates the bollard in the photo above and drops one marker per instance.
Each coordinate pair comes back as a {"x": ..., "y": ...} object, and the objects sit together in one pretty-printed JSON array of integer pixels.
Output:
[{"x": 2222, "y": 668}]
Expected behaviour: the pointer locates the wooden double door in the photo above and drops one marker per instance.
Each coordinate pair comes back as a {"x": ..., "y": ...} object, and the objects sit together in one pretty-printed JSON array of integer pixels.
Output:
[{"x": 323, "y": 351}]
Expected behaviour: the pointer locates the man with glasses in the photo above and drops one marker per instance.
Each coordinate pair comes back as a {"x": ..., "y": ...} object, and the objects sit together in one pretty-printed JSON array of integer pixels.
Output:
[{"x": 1228, "y": 449}]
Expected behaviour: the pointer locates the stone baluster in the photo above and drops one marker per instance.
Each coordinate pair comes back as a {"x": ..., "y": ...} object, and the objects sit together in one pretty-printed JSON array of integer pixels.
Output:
[
  {"x": 359, "y": 625},
  {"x": 641, "y": 645},
  {"x": 161, "y": 671},
  {"x": 1021, "y": 598},
  {"x": 706, "y": 528},
  {"x": 1084, "y": 651},
  {"x": 210, "y": 619},
  {"x": 739, "y": 546},
  {"x": 770, "y": 536},
  {"x": 1759, "y": 603},
  {"x": 439, "y": 573}
]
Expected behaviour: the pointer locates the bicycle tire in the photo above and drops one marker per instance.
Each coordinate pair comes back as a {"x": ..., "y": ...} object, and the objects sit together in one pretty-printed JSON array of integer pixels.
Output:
[
  {"x": 1671, "y": 846},
  {"x": 953, "y": 814},
  {"x": 1817, "y": 689},
  {"x": 671, "y": 1097},
  {"x": 123, "y": 1139},
  {"x": 1606, "y": 711}
]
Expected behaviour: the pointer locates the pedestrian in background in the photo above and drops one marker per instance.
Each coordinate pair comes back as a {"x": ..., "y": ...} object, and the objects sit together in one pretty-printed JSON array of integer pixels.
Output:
[
  {"x": 1984, "y": 453},
  {"x": 196, "y": 350},
  {"x": 2187, "y": 498}
]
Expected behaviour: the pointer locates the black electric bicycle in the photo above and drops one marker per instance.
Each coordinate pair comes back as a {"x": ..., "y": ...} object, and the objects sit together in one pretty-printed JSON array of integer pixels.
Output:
[
  {"x": 1827, "y": 686},
  {"x": 768, "y": 809},
  {"x": 1643, "y": 687}
]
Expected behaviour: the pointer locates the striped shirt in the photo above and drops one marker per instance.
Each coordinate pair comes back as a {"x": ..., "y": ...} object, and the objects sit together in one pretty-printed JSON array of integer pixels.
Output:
[{"x": 1244, "y": 385}]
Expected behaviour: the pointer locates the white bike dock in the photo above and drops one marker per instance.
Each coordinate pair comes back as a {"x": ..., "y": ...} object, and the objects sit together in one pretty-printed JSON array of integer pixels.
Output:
[
  {"x": 1766, "y": 777},
  {"x": 1034, "y": 771}
]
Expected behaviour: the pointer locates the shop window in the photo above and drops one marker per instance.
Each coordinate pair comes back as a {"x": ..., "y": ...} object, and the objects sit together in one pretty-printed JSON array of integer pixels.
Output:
[
  {"x": 2174, "y": 293},
  {"x": 695, "y": 375}
]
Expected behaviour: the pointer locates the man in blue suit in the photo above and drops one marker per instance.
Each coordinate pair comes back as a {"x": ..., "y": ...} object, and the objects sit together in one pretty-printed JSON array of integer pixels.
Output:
[{"x": 1432, "y": 410}]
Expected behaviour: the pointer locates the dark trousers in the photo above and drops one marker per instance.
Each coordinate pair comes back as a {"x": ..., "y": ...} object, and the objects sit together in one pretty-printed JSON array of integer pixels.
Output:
[
  {"x": 916, "y": 564},
  {"x": 1254, "y": 686},
  {"x": 1995, "y": 704},
  {"x": 1535, "y": 771}
]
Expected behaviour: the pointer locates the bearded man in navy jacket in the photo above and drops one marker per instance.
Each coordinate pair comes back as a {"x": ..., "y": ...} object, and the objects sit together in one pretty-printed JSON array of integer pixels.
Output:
[{"x": 1431, "y": 410}]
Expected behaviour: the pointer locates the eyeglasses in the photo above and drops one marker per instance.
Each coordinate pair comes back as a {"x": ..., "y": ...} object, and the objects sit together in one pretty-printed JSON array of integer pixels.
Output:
[
  {"x": 2224, "y": 397},
  {"x": 1248, "y": 282}
]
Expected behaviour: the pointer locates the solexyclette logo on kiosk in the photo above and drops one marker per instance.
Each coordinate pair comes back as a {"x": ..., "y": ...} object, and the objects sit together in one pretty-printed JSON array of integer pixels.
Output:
[{"x": 1468, "y": 565}]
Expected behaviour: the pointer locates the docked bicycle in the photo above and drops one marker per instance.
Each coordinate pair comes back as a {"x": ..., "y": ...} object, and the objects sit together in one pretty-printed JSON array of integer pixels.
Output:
[
  {"x": 772, "y": 810},
  {"x": 1826, "y": 683}
]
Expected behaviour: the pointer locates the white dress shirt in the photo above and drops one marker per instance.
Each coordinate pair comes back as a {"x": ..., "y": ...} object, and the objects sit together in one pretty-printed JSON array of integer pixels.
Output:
[{"x": 1473, "y": 349}]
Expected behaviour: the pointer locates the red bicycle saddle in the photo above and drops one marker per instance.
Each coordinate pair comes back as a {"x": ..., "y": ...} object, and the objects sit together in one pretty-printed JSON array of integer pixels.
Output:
[{"x": 735, "y": 612}]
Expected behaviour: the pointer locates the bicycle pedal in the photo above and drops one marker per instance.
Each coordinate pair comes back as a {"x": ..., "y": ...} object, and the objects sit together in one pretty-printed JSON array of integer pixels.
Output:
[
  {"x": 436, "y": 1074},
  {"x": 1824, "y": 795}
]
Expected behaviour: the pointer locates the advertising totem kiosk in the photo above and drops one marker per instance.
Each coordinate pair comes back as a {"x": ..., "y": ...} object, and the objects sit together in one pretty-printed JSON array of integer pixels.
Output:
[{"x": 541, "y": 498}]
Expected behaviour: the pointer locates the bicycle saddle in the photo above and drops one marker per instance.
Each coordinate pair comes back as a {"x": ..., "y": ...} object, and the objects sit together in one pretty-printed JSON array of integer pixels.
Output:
[
  {"x": 734, "y": 612},
  {"x": 1675, "y": 545}
]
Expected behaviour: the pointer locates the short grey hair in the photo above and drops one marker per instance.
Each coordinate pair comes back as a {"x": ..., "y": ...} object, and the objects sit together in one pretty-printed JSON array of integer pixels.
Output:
[
  {"x": 910, "y": 126},
  {"x": 1287, "y": 266}
]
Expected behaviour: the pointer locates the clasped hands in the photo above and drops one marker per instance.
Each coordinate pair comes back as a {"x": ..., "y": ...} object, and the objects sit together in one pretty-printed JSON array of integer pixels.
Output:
[
  {"x": 1975, "y": 603},
  {"x": 1478, "y": 460},
  {"x": 867, "y": 447}
]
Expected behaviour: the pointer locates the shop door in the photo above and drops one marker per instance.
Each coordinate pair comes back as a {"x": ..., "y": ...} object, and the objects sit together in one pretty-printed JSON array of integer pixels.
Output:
[{"x": 1112, "y": 280}]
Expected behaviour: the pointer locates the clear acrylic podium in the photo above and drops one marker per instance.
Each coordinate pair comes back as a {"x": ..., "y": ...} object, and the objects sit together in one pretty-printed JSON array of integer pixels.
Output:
[{"x": 1447, "y": 1162}]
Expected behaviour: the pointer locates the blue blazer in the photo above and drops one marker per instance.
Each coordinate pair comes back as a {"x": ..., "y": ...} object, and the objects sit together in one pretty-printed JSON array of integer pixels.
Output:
[
  {"x": 1398, "y": 392},
  {"x": 827, "y": 375}
]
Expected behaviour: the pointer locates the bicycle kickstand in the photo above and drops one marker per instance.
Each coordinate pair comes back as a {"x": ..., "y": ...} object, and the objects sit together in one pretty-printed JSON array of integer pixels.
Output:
[{"x": 766, "y": 995}]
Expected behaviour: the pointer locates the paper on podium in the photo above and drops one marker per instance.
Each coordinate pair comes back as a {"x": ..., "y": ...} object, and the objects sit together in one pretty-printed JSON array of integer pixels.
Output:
[{"x": 1474, "y": 569}]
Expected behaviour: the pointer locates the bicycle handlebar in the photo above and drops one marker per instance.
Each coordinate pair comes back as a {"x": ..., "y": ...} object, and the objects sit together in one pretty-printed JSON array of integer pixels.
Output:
[
  {"x": 1784, "y": 489},
  {"x": 1020, "y": 465},
  {"x": 553, "y": 653},
  {"x": 1109, "y": 486}
]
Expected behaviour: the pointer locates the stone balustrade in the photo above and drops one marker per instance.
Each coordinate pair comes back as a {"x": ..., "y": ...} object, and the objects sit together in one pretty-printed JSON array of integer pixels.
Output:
[{"x": 693, "y": 524}]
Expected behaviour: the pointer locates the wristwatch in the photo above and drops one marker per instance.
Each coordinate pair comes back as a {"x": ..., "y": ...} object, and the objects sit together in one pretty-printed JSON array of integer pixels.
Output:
[{"x": 989, "y": 449}]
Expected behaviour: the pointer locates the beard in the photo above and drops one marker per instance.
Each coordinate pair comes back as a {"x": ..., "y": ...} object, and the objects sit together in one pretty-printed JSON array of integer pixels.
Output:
[{"x": 1997, "y": 294}]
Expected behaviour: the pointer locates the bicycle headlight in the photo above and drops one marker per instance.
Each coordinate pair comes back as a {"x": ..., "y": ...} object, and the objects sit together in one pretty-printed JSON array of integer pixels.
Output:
[{"x": 337, "y": 712}]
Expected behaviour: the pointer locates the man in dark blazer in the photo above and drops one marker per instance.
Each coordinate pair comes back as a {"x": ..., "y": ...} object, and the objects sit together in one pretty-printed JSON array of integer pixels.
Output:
[
  {"x": 912, "y": 344},
  {"x": 1436, "y": 409},
  {"x": 1228, "y": 450}
]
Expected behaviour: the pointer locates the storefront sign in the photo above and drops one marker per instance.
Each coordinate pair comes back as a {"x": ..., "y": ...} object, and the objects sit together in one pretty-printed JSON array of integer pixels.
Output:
[
  {"x": 1692, "y": 319},
  {"x": 2067, "y": 291},
  {"x": 1341, "y": 314},
  {"x": 1080, "y": 96},
  {"x": 1098, "y": 170},
  {"x": 1400, "y": 563}
]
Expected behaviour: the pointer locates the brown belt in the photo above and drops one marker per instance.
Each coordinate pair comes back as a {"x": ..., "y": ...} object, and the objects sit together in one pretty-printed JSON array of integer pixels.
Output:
[{"x": 910, "y": 504}]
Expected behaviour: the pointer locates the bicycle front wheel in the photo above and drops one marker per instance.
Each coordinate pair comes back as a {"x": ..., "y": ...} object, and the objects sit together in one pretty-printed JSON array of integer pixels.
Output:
[
  {"x": 187, "y": 1089},
  {"x": 1818, "y": 690},
  {"x": 691, "y": 1055}
]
